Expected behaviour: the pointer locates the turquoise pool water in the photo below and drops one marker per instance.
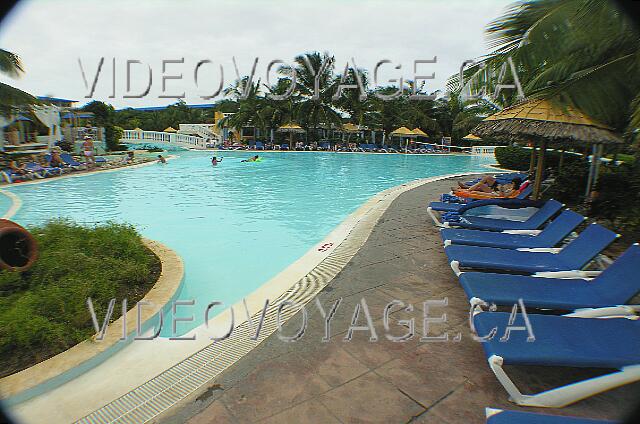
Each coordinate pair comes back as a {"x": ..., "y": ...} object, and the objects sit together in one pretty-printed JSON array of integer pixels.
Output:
[{"x": 238, "y": 224}]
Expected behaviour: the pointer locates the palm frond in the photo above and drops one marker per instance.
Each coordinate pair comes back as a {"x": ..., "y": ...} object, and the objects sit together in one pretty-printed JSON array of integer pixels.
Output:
[{"x": 10, "y": 64}]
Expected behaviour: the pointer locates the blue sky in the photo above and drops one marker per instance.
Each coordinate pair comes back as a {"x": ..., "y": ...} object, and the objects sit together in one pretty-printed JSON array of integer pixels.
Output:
[{"x": 51, "y": 35}]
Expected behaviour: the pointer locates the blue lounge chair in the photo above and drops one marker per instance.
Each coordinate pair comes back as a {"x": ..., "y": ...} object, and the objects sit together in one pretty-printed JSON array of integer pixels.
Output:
[
  {"x": 9, "y": 176},
  {"x": 455, "y": 206},
  {"x": 498, "y": 416},
  {"x": 535, "y": 221},
  {"x": 41, "y": 172},
  {"x": 574, "y": 256},
  {"x": 71, "y": 162},
  {"x": 616, "y": 285},
  {"x": 284, "y": 147},
  {"x": 579, "y": 340},
  {"x": 259, "y": 145},
  {"x": 550, "y": 236},
  {"x": 100, "y": 160}
]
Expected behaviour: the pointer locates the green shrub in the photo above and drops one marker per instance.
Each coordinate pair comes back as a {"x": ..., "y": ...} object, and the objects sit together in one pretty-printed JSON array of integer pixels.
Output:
[
  {"x": 513, "y": 157},
  {"x": 618, "y": 194},
  {"x": 569, "y": 184},
  {"x": 113, "y": 135},
  {"x": 519, "y": 158},
  {"x": 43, "y": 310}
]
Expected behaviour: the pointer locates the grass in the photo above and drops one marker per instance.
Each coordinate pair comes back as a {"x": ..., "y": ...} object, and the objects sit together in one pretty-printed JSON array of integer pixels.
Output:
[{"x": 43, "y": 310}]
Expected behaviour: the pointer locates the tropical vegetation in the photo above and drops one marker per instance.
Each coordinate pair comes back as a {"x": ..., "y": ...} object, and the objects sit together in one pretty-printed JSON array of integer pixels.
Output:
[
  {"x": 12, "y": 98},
  {"x": 43, "y": 310}
]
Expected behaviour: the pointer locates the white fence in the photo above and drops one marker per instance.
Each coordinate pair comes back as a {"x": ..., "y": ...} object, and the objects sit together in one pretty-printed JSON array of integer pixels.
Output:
[
  {"x": 483, "y": 150},
  {"x": 182, "y": 140},
  {"x": 205, "y": 131}
]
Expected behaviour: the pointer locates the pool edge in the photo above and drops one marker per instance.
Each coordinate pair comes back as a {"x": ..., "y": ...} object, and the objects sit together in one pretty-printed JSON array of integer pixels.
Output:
[{"x": 301, "y": 282}]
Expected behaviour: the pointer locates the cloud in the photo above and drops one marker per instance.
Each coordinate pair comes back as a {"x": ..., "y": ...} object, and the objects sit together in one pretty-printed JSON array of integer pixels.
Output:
[{"x": 50, "y": 36}]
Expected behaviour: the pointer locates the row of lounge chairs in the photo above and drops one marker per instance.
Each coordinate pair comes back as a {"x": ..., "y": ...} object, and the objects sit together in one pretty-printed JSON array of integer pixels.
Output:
[
  {"x": 579, "y": 317},
  {"x": 34, "y": 170},
  {"x": 326, "y": 146}
]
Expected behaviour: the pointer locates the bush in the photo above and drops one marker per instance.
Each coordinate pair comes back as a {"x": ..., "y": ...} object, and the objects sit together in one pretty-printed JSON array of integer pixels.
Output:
[
  {"x": 513, "y": 157},
  {"x": 519, "y": 158},
  {"x": 618, "y": 194},
  {"x": 113, "y": 135},
  {"x": 65, "y": 145},
  {"x": 570, "y": 183},
  {"x": 43, "y": 310}
]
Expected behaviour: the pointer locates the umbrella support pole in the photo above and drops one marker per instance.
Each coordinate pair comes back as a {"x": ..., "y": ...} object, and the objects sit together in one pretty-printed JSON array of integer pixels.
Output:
[
  {"x": 532, "y": 161},
  {"x": 539, "y": 170},
  {"x": 594, "y": 167}
]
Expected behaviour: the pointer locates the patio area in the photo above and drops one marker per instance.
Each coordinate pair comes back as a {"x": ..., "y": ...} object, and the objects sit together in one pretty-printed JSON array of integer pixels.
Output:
[{"x": 382, "y": 381}]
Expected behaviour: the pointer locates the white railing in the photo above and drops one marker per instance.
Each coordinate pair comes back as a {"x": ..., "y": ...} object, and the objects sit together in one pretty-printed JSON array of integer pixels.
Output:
[
  {"x": 483, "y": 150},
  {"x": 138, "y": 137},
  {"x": 203, "y": 130}
]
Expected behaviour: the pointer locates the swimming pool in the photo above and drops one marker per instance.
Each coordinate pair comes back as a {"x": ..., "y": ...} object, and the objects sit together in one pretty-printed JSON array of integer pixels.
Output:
[{"x": 238, "y": 224}]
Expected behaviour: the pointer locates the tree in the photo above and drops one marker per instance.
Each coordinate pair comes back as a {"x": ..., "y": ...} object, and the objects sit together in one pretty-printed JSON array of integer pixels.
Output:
[
  {"x": 12, "y": 98},
  {"x": 103, "y": 113},
  {"x": 585, "y": 53},
  {"x": 311, "y": 111}
]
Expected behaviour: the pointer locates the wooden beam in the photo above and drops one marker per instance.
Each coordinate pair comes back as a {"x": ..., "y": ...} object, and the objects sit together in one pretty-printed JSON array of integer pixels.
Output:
[
  {"x": 532, "y": 162},
  {"x": 539, "y": 170}
]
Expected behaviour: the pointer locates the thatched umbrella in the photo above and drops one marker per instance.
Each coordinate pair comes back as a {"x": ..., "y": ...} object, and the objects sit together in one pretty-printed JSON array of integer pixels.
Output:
[
  {"x": 471, "y": 137},
  {"x": 291, "y": 129},
  {"x": 403, "y": 132},
  {"x": 170, "y": 130},
  {"x": 544, "y": 122}
]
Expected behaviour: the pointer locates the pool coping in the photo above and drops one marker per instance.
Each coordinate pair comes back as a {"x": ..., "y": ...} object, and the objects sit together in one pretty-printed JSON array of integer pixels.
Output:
[
  {"x": 66, "y": 365},
  {"x": 299, "y": 282}
]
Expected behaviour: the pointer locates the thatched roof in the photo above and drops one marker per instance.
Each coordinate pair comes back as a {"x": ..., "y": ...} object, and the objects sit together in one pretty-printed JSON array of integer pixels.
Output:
[
  {"x": 419, "y": 132},
  {"x": 541, "y": 119},
  {"x": 291, "y": 128},
  {"x": 402, "y": 131},
  {"x": 349, "y": 127},
  {"x": 472, "y": 137}
]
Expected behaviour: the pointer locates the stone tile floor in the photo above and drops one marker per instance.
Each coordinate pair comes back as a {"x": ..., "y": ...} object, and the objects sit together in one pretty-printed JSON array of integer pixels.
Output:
[{"x": 365, "y": 381}]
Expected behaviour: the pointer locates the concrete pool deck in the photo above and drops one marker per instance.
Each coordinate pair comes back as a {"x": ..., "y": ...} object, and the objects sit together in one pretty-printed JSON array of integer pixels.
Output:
[{"x": 383, "y": 381}]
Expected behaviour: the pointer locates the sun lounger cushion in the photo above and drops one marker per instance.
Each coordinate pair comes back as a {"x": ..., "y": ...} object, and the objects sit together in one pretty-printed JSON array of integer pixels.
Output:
[{"x": 563, "y": 341}]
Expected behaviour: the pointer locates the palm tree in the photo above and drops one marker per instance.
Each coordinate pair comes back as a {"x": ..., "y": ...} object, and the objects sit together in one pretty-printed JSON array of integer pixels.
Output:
[
  {"x": 585, "y": 53},
  {"x": 277, "y": 112},
  {"x": 248, "y": 112},
  {"x": 310, "y": 110},
  {"x": 12, "y": 98}
]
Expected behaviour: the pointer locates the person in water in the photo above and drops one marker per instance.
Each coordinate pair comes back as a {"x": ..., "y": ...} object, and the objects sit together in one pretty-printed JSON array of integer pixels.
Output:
[
  {"x": 253, "y": 159},
  {"x": 215, "y": 160},
  {"x": 161, "y": 159}
]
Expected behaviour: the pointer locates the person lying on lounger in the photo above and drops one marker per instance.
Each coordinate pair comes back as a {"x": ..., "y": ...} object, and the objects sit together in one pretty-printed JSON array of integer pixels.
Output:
[
  {"x": 128, "y": 158},
  {"x": 490, "y": 187},
  {"x": 56, "y": 160},
  {"x": 17, "y": 169}
]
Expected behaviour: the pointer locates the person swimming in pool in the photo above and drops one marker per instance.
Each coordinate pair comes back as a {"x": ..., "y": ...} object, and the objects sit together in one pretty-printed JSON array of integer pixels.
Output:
[
  {"x": 253, "y": 159},
  {"x": 161, "y": 159},
  {"x": 215, "y": 160}
]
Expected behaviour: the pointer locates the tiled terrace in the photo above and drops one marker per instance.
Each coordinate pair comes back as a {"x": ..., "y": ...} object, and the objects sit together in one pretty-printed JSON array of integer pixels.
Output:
[{"x": 363, "y": 381}]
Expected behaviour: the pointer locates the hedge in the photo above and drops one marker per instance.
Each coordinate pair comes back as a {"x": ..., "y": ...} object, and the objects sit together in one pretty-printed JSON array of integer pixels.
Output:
[
  {"x": 43, "y": 310},
  {"x": 519, "y": 158}
]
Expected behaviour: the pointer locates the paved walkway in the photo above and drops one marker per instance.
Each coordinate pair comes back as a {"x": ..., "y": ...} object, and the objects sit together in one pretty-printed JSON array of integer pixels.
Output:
[{"x": 363, "y": 381}]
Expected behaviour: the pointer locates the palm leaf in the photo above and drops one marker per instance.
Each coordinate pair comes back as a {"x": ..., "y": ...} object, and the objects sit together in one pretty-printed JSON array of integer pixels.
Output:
[{"x": 10, "y": 64}]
